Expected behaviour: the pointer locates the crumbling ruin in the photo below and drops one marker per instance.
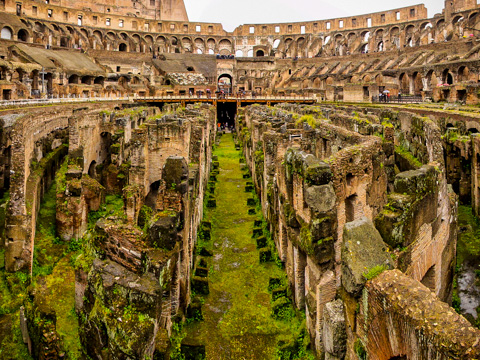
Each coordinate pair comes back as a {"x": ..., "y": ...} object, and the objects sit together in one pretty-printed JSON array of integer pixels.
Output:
[{"x": 361, "y": 206}]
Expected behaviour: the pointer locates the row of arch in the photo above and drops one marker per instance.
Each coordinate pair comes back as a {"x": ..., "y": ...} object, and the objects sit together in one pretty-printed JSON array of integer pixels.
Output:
[{"x": 334, "y": 44}]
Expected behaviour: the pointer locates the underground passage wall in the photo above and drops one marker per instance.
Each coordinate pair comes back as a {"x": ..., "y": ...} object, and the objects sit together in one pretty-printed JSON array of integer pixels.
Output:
[{"x": 351, "y": 197}]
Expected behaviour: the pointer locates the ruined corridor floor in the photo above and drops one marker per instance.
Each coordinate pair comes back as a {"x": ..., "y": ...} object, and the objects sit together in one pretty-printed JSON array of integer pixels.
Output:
[{"x": 237, "y": 313}]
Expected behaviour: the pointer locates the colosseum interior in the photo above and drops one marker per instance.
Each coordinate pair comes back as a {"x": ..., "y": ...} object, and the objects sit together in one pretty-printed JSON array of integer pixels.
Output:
[{"x": 170, "y": 190}]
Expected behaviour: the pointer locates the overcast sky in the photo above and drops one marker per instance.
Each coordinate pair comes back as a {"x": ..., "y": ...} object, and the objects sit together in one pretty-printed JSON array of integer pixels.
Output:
[{"x": 232, "y": 13}]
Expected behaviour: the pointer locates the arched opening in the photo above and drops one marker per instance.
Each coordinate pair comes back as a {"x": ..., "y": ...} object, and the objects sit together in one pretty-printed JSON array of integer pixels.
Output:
[
  {"x": 417, "y": 84},
  {"x": 429, "y": 278},
  {"x": 380, "y": 46},
  {"x": 122, "y": 47},
  {"x": 250, "y": 53},
  {"x": 100, "y": 80},
  {"x": 259, "y": 53},
  {"x": 225, "y": 83},
  {"x": 73, "y": 79},
  {"x": 87, "y": 80},
  {"x": 22, "y": 35},
  {"x": 463, "y": 74},
  {"x": 174, "y": 41},
  {"x": 447, "y": 77},
  {"x": 6, "y": 33},
  {"x": 276, "y": 43},
  {"x": 350, "y": 205},
  {"x": 151, "y": 199},
  {"x": 473, "y": 131},
  {"x": 92, "y": 169},
  {"x": 239, "y": 53},
  {"x": 63, "y": 42},
  {"x": 364, "y": 49},
  {"x": 404, "y": 86}
]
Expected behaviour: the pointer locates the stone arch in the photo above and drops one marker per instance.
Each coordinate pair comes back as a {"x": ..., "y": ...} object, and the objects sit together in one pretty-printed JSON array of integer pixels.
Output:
[
  {"x": 395, "y": 36},
  {"x": 6, "y": 33},
  {"x": 447, "y": 77},
  {"x": 276, "y": 43},
  {"x": 174, "y": 41},
  {"x": 457, "y": 19},
  {"x": 379, "y": 80},
  {"x": 73, "y": 79},
  {"x": 99, "y": 80},
  {"x": 92, "y": 172},
  {"x": 111, "y": 36},
  {"x": 431, "y": 80},
  {"x": 200, "y": 45},
  {"x": 365, "y": 36},
  {"x": 225, "y": 47},
  {"x": 23, "y": 35},
  {"x": 122, "y": 47},
  {"x": 463, "y": 73},
  {"x": 187, "y": 44},
  {"x": 98, "y": 35},
  {"x": 417, "y": 83},
  {"x": 239, "y": 53},
  {"x": 380, "y": 47},
  {"x": 259, "y": 53},
  {"x": 64, "y": 41},
  {"x": 211, "y": 45},
  {"x": 404, "y": 83}
]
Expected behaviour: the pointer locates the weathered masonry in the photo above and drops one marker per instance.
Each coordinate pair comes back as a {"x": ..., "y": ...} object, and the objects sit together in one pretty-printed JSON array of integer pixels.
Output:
[
  {"x": 349, "y": 59},
  {"x": 348, "y": 198}
]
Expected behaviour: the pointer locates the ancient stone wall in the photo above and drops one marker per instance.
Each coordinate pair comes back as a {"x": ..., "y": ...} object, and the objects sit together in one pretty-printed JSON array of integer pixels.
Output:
[
  {"x": 35, "y": 156},
  {"x": 323, "y": 185}
]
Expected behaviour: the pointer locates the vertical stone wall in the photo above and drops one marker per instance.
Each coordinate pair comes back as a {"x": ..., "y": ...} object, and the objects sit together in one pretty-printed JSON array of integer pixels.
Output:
[{"x": 327, "y": 185}]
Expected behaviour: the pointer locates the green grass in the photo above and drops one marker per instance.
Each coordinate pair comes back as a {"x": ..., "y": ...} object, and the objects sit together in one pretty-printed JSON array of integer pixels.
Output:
[
  {"x": 52, "y": 267},
  {"x": 237, "y": 312},
  {"x": 468, "y": 245}
]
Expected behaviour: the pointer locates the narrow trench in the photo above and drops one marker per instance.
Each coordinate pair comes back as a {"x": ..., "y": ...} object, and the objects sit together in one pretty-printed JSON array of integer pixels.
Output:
[{"x": 237, "y": 313}]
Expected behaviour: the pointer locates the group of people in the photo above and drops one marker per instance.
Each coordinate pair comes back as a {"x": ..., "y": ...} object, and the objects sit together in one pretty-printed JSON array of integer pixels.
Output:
[
  {"x": 384, "y": 97},
  {"x": 225, "y": 126}
]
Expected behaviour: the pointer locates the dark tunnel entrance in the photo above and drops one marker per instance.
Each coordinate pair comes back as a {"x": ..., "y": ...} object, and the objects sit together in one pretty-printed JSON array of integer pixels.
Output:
[{"x": 226, "y": 114}]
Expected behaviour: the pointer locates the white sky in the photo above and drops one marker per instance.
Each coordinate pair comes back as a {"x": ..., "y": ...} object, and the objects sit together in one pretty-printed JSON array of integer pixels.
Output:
[{"x": 232, "y": 13}]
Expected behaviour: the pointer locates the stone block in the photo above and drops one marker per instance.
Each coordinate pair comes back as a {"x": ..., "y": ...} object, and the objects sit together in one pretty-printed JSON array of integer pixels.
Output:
[
  {"x": 194, "y": 310},
  {"x": 252, "y": 211},
  {"x": 265, "y": 255},
  {"x": 320, "y": 198},
  {"x": 163, "y": 232},
  {"x": 211, "y": 203},
  {"x": 334, "y": 332},
  {"x": 257, "y": 223},
  {"x": 362, "y": 250},
  {"x": 251, "y": 202},
  {"x": 416, "y": 182},
  {"x": 200, "y": 285},
  {"x": 175, "y": 171},
  {"x": 261, "y": 242},
  {"x": 258, "y": 231}
]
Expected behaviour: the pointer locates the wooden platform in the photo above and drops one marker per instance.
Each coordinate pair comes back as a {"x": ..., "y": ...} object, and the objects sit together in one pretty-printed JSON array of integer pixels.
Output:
[{"x": 240, "y": 101}]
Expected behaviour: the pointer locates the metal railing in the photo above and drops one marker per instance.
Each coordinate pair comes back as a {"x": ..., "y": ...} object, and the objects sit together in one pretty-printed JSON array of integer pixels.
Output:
[
  {"x": 24, "y": 102},
  {"x": 226, "y": 97},
  {"x": 166, "y": 98},
  {"x": 398, "y": 99}
]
